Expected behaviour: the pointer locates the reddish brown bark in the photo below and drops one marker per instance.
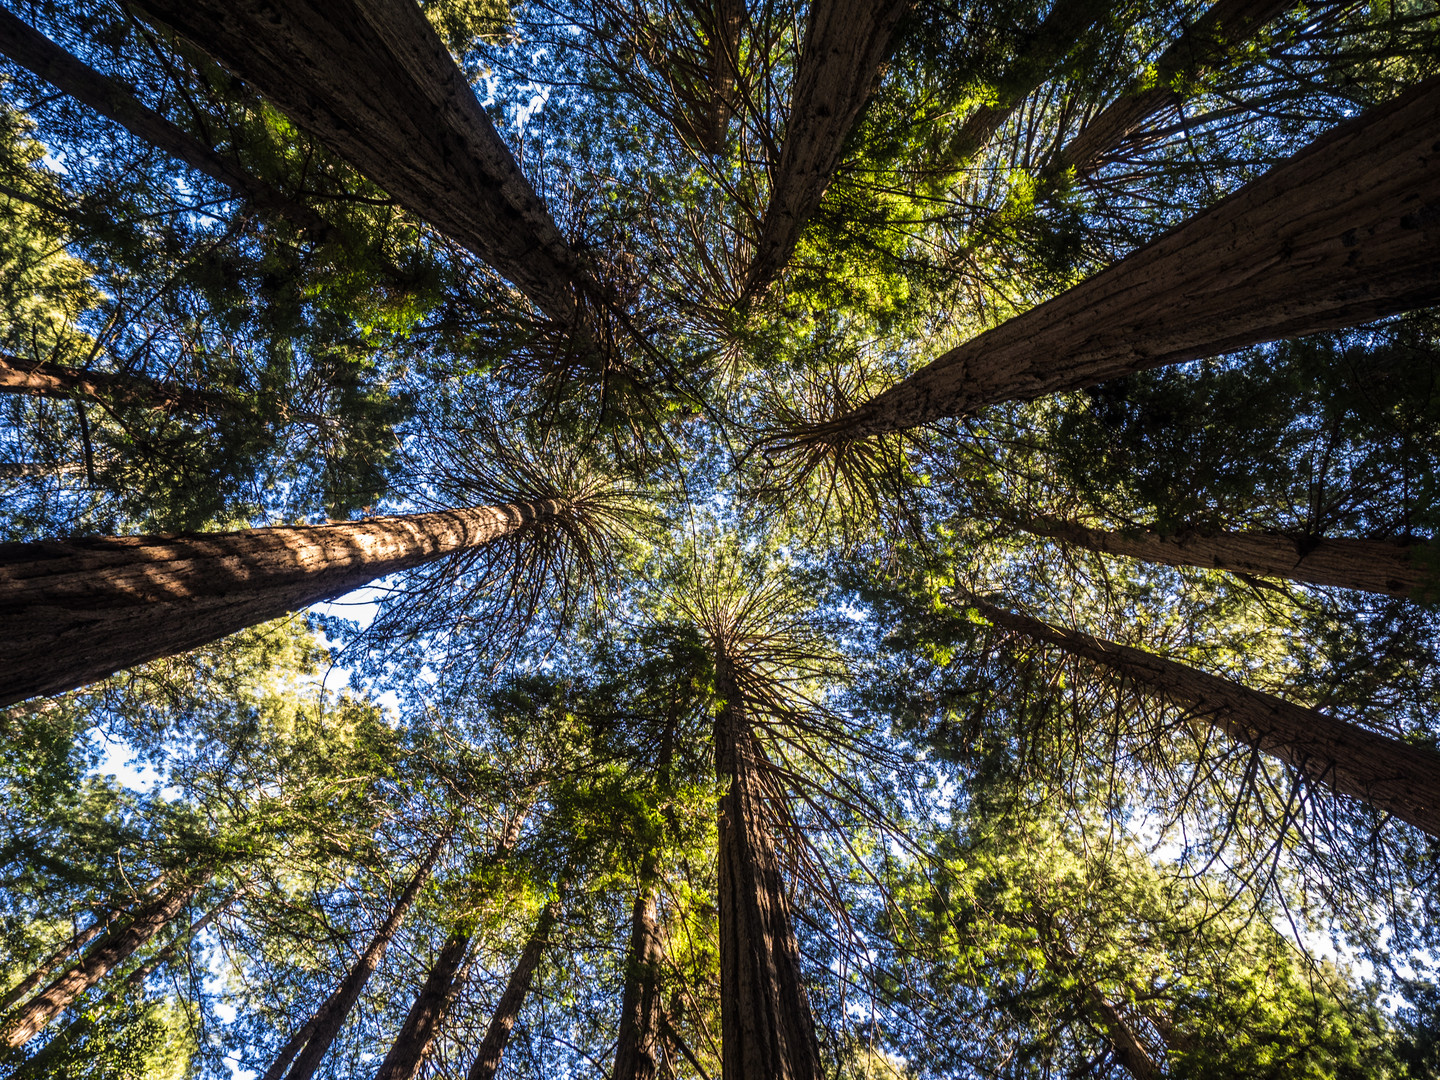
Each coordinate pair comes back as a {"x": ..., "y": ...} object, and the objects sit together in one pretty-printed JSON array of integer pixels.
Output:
[
  {"x": 767, "y": 1031},
  {"x": 492, "y": 1047},
  {"x": 1049, "y": 45},
  {"x": 1406, "y": 568},
  {"x": 1201, "y": 48},
  {"x": 72, "y": 611},
  {"x": 372, "y": 81},
  {"x": 637, "y": 1051},
  {"x": 321, "y": 1029},
  {"x": 32, "y": 50},
  {"x": 77, "y": 941},
  {"x": 1346, "y": 231},
  {"x": 846, "y": 42},
  {"x": 114, "y": 948},
  {"x": 1126, "y": 1047},
  {"x": 1393, "y": 777},
  {"x": 41, "y": 378}
]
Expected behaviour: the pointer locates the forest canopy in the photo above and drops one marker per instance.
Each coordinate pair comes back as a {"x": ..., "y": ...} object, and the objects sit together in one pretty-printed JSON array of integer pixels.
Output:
[{"x": 720, "y": 539}]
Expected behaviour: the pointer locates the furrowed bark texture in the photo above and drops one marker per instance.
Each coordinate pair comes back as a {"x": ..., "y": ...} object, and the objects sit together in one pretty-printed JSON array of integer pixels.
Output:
[
  {"x": 28, "y": 985},
  {"x": 1051, "y": 43},
  {"x": 1405, "y": 568},
  {"x": 72, "y": 611},
  {"x": 767, "y": 1031},
  {"x": 331, "y": 1016},
  {"x": 41, "y": 378},
  {"x": 1198, "y": 50},
  {"x": 114, "y": 948},
  {"x": 37, "y": 53},
  {"x": 1387, "y": 774},
  {"x": 492, "y": 1048},
  {"x": 846, "y": 42},
  {"x": 372, "y": 81},
  {"x": 422, "y": 1023},
  {"x": 637, "y": 1053},
  {"x": 728, "y": 25},
  {"x": 1346, "y": 231}
]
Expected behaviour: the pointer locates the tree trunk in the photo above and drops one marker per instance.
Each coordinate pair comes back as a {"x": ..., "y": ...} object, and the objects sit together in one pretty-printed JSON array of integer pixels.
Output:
[
  {"x": 372, "y": 81},
  {"x": 767, "y": 1031},
  {"x": 846, "y": 42},
  {"x": 1391, "y": 776},
  {"x": 41, "y": 1064},
  {"x": 29, "y": 470},
  {"x": 1051, "y": 43},
  {"x": 72, "y": 611},
  {"x": 331, "y": 1016},
  {"x": 422, "y": 1023},
  {"x": 441, "y": 986},
  {"x": 114, "y": 948},
  {"x": 77, "y": 941},
  {"x": 1346, "y": 231},
  {"x": 1127, "y": 1047},
  {"x": 37, "y": 53},
  {"x": 728, "y": 26},
  {"x": 41, "y": 378},
  {"x": 1200, "y": 49},
  {"x": 1405, "y": 568},
  {"x": 492, "y": 1048}
]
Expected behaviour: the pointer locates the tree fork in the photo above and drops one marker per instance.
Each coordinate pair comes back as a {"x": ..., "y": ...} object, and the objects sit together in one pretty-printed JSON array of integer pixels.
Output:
[
  {"x": 1388, "y": 775},
  {"x": 73, "y": 611},
  {"x": 1403, "y": 568},
  {"x": 1346, "y": 231},
  {"x": 372, "y": 81}
]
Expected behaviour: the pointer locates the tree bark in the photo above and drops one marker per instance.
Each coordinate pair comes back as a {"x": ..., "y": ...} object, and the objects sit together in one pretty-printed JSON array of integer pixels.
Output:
[
  {"x": 492, "y": 1048},
  {"x": 41, "y": 1064},
  {"x": 1346, "y": 231},
  {"x": 1051, "y": 43},
  {"x": 1201, "y": 48},
  {"x": 37, "y": 53},
  {"x": 1127, "y": 1047},
  {"x": 437, "y": 995},
  {"x": 767, "y": 1031},
  {"x": 729, "y": 23},
  {"x": 372, "y": 81},
  {"x": 331, "y": 1016},
  {"x": 1404, "y": 568},
  {"x": 42, "y": 378},
  {"x": 1388, "y": 775},
  {"x": 114, "y": 948},
  {"x": 72, "y": 611},
  {"x": 846, "y": 43},
  {"x": 77, "y": 941}
]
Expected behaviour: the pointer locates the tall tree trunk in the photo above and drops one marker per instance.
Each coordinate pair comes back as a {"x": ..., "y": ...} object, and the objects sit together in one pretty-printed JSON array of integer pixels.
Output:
[
  {"x": 77, "y": 941},
  {"x": 1201, "y": 48},
  {"x": 492, "y": 1048},
  {"x": 1050, "y": 44},
  {"x": 42, "y": 1063},
  {"x": 841, "y": 60},
  {"x": 321, "y": 1029},
  {"x": 437, "y": 995},
  {"x": 37, "y": 53},
  {"x": 1406, "y": 568},
  {"x": 42, "y": 378},
  {"x": 72, "y": 611},
  {"x": 1127, "y": 1047},
  {"x": 728, "y": 19},
  {"x": 114, "y": 948},
  {"x": 372, "y": 81},
  {"x": 767, "y": 1031},
  {"x": 1346, "y": 231},
  {"x": 1386, "y": 774}
]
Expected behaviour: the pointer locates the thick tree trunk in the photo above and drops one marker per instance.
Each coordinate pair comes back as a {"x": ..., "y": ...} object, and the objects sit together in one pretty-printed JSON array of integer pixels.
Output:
[
  {"x": 637, "y": 1052},
  {"x": 492, "y": 1047},
  {"x": 1391, "y": 776},
  {"x": 72, "y": 611},
  {"x": 1051, "y": 43},
  {"x": 437, "y": 995},
  {"x": 42, "y": 1063},
  {"x": 846, "y": 43},
  {"x": 77, "y": 941},
  {"x": 729, "y": 18},
  {"x": 767, "y": 1031},
  {"x": 1201, "y": 48},
  {"x": 41, "y": 378},
  {"x": 114, "y": 948},
  {"x": 1346, "y": 231},
  {"x": 408, "y": 1051},
  {"x": 372, "y": 81},
  {"x": 37, "y": 53},
  {"x": 1405, "y": 568},
  {"x": 322, "y": 1028}
]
